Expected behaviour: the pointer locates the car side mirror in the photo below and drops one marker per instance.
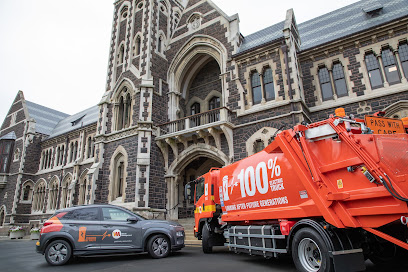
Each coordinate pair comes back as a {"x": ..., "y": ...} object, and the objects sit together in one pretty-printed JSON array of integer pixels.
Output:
[{"x": 132, "y": 219}]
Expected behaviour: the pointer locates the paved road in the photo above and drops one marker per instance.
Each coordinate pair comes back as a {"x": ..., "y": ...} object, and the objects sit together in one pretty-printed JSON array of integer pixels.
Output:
[{"x": 20, "y": 255}]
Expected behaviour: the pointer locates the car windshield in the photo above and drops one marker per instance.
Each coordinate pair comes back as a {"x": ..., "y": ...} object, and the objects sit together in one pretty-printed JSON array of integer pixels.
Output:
[{"x": 199, "y": 188}]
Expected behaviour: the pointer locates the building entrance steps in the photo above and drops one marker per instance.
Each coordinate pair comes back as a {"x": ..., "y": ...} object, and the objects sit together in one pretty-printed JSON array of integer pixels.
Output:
[{"x": 188, "y": 224}]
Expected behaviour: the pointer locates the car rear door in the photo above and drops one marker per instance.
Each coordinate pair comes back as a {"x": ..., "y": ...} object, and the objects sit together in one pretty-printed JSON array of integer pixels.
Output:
[
  {"x": 84, "y": 225},
  {"x": 121, "y": 233}
]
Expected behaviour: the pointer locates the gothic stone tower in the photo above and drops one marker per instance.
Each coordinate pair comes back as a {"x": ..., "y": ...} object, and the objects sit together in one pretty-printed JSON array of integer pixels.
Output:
[{"x": 167, "y": 59}]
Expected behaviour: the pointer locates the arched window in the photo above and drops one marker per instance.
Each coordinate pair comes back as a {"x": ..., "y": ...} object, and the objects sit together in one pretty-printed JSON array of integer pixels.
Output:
[
  {"x": 176, "y": 18},
  {"x": 195, "y": 120},
  {"x": 16, "y": 154},
  {"x": 27, "y": 191},
  {"x": 390, "y": 67},
  {"x": 57, "y": 155},
  {"x": 139, "y": 6},
  {"x": 256, "y": 88},
  {"x": 39, "y": 196},
  {"x": 325, "y": 83},
  {"x": 61, "y": 157},
  {"x": 268, "y": 85},
  {"x": 53, "y": 195},
  {"x": 75, "y": 151},
  {"x": 71, "y": 148},
  {"x": 195, "y": 108},
  {"x": 118, "y": 183},
  {"x": 339, "y": 80},
  {"x": 42, "y": 160},
  {"x": 126, "y": 117},
  {"x": 374, "y": 72},
  {"x": 6, "y": 151},
  {"x": 123, "y": 110},
  {"x": 65, "y": 192},
  {"x": 121, "y": 56},
  {"x": 90, "y": 147},
  {"x": 2, "y": 216},
  {"x": 46, "y": 159},
  {"x": 50, "y": 158},
  {"x": 137, "y": 46},
  {"x": 83, "y": 184},
  {"x": 258, "y": 146},
  {"x": 160, "y": 44},
  {"x": 403, "y": 54},
  {"x": 214, "y": 103},
  {"x": 124, "y": 13}
]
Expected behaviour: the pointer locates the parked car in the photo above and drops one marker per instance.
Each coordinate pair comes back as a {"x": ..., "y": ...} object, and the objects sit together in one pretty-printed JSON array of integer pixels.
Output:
[{"x": 105, "y": 229}]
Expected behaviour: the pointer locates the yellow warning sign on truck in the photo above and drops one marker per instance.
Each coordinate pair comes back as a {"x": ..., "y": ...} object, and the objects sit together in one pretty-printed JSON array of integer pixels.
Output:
[{"x": 382, "y": 125}]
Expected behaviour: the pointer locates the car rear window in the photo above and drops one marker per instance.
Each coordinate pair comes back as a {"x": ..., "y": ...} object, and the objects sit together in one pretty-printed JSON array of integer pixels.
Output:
[
  {"x": 88, "y": 214},
  {"x": 61, "y": 215}
]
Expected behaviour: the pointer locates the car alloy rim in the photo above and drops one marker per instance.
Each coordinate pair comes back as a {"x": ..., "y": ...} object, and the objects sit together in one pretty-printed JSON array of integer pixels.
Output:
[
  {"x": 309, "y": 255},
  {"x": 160, "y": 246},
  {"x": 57, "y": 253}
]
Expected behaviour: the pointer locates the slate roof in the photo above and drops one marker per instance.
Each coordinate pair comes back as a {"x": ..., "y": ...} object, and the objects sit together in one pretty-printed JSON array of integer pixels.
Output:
[
  {"x": 46, "y": 118},
  {"x": 349, "y": 20},
  {"x": 78, "y": 120},
  {"x": 262, "y": 37},
  {"x": 335, "y": 25},
  {"x": 9, "y": 136}
]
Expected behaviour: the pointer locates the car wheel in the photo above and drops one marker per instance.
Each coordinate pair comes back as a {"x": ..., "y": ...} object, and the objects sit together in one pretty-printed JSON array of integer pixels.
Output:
[
  {"x": 206, "y": 240},
  {"x": 158, "y": 246},
  {"x": 310, "y": 253},
  {"x": 58, "y": 252}
]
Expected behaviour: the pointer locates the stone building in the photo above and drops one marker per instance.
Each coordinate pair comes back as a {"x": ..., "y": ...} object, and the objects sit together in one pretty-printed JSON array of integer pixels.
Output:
[{"x": 186, "y": 92}]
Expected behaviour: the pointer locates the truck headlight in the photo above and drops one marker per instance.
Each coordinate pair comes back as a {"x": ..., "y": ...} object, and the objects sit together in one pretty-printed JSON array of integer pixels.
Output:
[{"x": 180, "y": 233}]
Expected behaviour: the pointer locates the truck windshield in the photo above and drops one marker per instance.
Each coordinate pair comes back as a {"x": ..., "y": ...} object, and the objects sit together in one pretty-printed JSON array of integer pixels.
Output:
[{"x": 199, "y": 189}]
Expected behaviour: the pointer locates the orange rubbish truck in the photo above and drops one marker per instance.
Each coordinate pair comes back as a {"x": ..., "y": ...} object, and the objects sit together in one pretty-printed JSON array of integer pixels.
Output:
[{"x": 331, "y": 194}]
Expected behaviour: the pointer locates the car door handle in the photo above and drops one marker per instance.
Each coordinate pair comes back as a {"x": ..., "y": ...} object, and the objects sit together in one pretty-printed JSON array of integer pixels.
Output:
[{"x": 106, "y": 226}]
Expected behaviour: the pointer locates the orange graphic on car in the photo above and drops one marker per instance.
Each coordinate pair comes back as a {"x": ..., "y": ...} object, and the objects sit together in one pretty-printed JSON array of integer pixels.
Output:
[{"x": 83, "y": 237}]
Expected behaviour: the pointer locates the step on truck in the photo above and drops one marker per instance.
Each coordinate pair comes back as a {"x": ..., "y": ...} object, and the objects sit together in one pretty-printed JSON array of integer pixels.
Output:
[{"x": 331, "y": 194}]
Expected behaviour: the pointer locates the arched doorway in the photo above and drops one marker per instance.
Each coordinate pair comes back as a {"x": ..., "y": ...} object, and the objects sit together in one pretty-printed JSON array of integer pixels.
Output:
[
  {"x": 193, "y": 170},
  {"x": 190, "y": 164}
]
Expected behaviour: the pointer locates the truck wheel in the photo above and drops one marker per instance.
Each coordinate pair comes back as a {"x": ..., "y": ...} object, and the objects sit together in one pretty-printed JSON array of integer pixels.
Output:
[
  {"x": 58, "y": 252},
  {"x": 206, "y": 240},
  {"x": 310, "y": 253},
  {"x": 158, "y": 246}
]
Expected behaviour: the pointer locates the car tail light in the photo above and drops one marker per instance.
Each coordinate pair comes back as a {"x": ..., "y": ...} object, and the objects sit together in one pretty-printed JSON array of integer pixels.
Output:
[
  {"x": 47, "y": 223},
  {"x": 52, "y": 225}
]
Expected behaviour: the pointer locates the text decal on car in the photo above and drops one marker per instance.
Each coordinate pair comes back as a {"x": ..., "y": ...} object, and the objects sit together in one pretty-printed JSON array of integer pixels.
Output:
[{"x": 89, "y": 238}]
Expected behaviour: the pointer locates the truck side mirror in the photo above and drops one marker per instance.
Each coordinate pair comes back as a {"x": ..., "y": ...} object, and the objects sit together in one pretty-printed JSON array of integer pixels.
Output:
[{"x": 187, "y": 192}]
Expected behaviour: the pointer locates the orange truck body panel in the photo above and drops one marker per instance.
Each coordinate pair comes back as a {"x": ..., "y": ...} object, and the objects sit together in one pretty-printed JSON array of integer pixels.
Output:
[{"x": 299, "y": 177}]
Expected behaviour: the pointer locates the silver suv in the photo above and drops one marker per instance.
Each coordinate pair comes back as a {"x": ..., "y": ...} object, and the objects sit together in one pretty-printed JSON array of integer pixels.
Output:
[{"x": 105, "y": 229}]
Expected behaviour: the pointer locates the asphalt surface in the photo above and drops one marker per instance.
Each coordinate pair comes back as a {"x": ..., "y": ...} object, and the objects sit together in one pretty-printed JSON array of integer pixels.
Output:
[{"x": 20, "y": 255}]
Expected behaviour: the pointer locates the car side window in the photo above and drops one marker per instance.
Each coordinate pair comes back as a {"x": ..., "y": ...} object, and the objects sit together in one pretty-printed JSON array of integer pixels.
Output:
[
  {"x": 113, "y": 214},
  {"x": 88, "y": 214}
]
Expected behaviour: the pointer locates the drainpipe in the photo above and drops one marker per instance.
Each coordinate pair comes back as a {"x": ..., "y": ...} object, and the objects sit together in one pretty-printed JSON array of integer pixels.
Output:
[{"x": 284, "y": 49}]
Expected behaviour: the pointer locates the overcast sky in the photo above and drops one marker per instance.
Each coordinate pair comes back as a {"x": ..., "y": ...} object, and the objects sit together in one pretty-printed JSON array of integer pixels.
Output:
[{"x": 56, "y": 51}]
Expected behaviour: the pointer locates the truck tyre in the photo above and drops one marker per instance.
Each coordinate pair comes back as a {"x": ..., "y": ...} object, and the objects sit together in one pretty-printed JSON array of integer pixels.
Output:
[
  {"x": 158, "y": 246},
  {"x": 310, "y": 252},
  {"x": 206, "y": 240},
  {"x": 58, "y": 252}
]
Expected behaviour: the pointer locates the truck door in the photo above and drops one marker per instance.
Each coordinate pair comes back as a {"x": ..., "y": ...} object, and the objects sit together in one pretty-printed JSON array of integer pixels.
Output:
[{"x": 119, "y": 232}]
